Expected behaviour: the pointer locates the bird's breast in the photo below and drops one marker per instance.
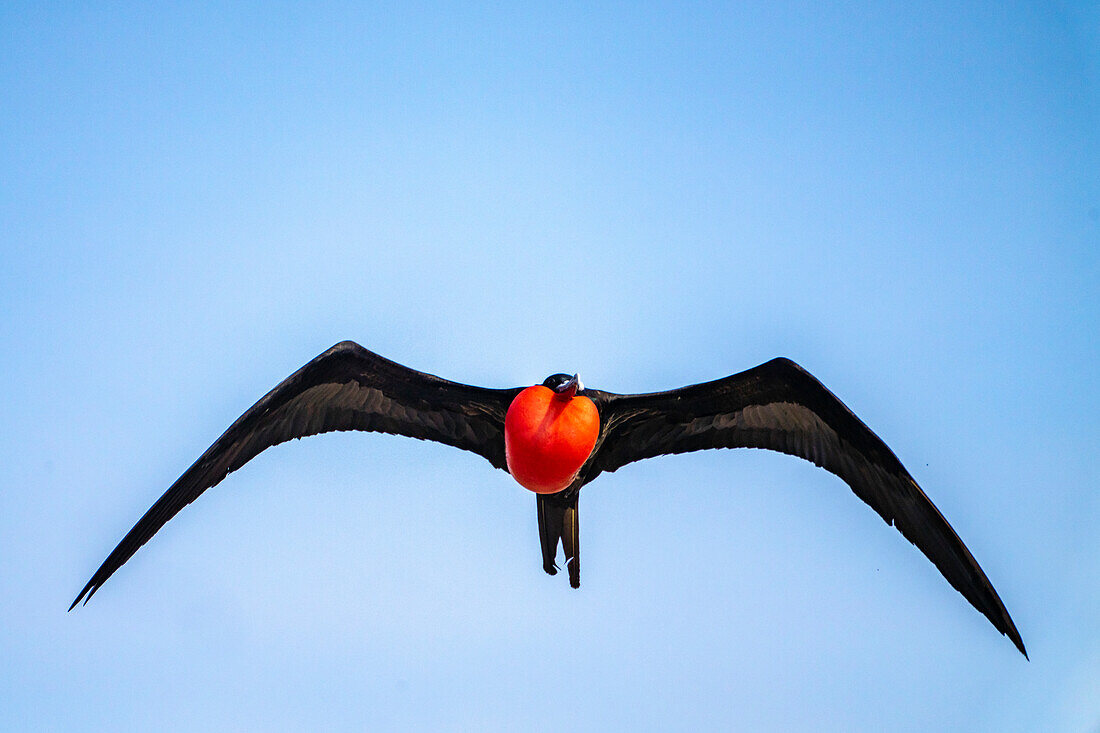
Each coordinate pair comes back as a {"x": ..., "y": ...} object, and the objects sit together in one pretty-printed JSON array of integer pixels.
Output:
[{"x": 547, "y": 439}]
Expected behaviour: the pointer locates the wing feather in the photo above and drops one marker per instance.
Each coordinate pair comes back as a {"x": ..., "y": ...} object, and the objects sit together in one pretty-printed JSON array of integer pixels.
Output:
[
  {"x": 345, "y": 388},
  {"x": 782, "y": 407}
]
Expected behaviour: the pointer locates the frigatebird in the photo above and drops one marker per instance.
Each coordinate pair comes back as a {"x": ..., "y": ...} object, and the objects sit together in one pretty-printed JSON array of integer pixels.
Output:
[{"x": 555, "y": 437}]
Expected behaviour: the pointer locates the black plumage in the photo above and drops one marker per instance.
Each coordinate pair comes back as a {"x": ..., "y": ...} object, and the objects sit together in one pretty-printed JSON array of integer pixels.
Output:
[
  {"x": 345, "y": 388},
  {"x": 777, "y": 405}
]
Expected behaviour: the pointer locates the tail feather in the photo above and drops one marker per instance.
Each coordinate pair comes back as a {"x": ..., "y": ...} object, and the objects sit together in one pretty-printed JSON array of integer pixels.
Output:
[
  {"x": 558, "y": 522},
  {"x": 550, "y": 516},
  {"x": 571, "y": 543}
]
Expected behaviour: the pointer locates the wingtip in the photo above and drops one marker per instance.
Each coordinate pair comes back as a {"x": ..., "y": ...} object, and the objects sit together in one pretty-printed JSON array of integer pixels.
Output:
[
  {"x": 85, "y": 595},
  {"x": 1004, "y": 623},
  {"x": 1015, "y": 637},
  {"x": 1007, "y": 627}
]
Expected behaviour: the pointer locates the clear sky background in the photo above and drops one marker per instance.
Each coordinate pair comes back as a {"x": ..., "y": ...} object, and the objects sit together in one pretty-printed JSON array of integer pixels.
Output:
[{"x": 196, "y": 200}]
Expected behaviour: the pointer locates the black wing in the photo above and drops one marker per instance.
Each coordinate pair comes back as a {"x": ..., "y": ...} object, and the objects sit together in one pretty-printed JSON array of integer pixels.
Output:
[
  {"x": 345, "y": 388},
  {"x": 782, "y": 407}
]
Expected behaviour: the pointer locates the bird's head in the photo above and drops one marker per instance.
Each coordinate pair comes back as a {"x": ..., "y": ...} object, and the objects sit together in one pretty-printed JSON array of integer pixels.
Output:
[{"x": 564, "y": 386}]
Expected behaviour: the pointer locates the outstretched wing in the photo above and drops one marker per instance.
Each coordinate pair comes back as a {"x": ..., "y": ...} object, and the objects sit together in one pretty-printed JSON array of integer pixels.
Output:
[
  {"x": 345, "y": 388},
  {"x": 782, "y": 407}
]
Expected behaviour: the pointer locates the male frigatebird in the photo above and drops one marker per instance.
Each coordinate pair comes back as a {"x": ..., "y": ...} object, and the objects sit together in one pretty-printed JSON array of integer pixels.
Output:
[{"x": 555, "y": 437}]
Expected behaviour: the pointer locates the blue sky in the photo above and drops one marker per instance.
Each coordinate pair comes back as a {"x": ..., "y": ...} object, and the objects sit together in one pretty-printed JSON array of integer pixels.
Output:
[{"x": 195, "y": 200}]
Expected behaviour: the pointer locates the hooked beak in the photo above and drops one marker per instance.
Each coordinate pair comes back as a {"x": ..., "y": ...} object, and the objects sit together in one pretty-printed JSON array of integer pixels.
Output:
[{"x": 570, "y": 388}]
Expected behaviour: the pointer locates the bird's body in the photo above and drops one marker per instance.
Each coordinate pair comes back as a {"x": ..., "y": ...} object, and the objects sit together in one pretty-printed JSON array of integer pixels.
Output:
[{"x": 556, "y": 437}]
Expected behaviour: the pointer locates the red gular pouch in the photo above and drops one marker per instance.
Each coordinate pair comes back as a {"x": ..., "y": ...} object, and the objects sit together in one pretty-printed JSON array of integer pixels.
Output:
[{"x": 548, "y": 436}]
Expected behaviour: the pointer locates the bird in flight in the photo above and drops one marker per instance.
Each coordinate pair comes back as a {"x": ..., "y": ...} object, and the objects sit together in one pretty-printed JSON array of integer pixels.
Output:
[{"x": 555, "y": 437}]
